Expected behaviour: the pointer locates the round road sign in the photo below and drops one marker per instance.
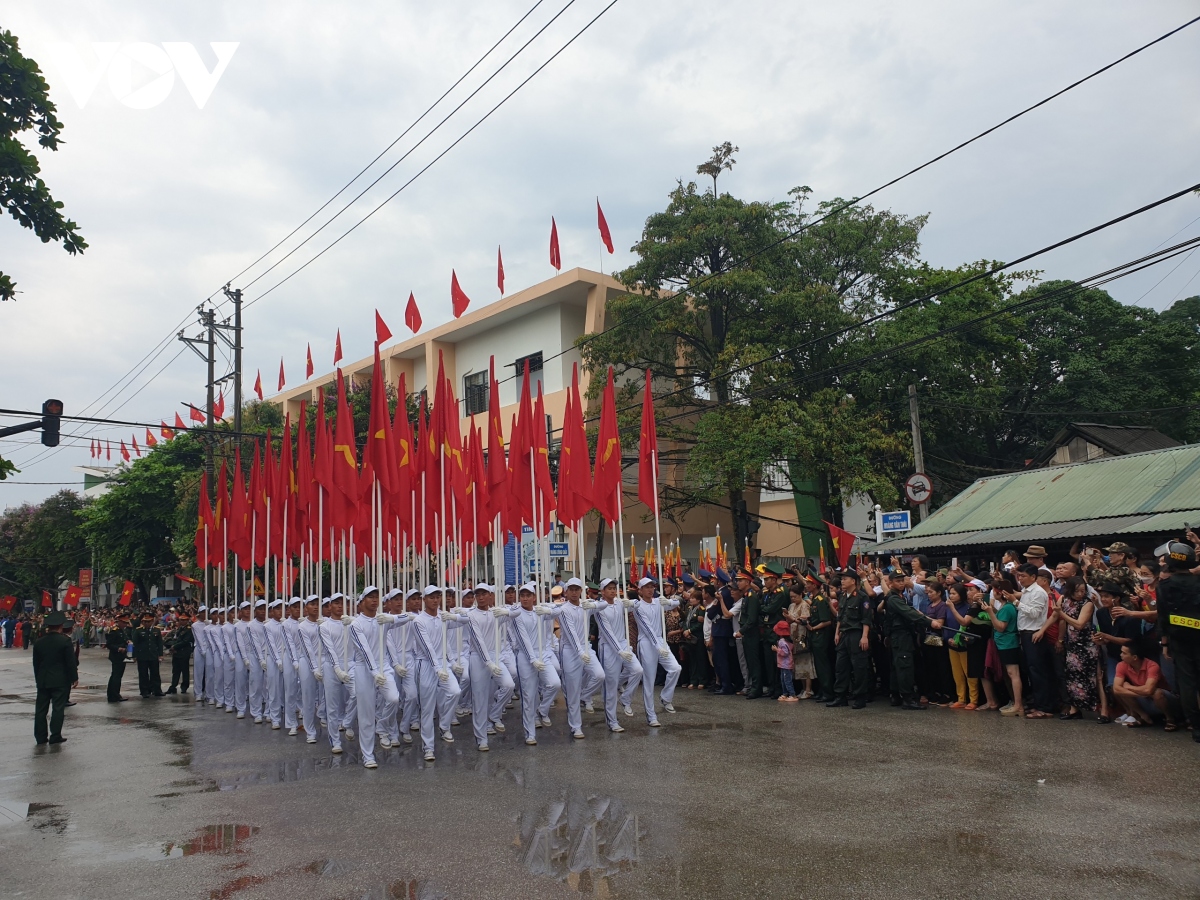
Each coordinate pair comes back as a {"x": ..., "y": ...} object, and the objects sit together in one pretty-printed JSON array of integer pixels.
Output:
[{"x": 919, "y": 487}]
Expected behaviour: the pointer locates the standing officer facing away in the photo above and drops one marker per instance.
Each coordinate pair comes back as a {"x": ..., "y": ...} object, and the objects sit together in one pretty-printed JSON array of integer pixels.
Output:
[
  {"x": 116, "y": 640},
  {"x": 183, "y": 642},
  {"x": 55, "y": 673}
]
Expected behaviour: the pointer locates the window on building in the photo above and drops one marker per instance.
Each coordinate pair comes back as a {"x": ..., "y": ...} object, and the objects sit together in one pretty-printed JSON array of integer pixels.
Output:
[
  {"x": 534, "y": 361},
  {"x": 475, "y": 393}
]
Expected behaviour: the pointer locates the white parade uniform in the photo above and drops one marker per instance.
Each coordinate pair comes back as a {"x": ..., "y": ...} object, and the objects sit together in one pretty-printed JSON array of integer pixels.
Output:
[
  {"x": 618, "y": 668},
  {"x": 275, "y": 671},
  {"x": 292, "y": 662},
  {"x": 200, "y": 689},
  {"x": 435, "y": 686},
  {"x": 652, "y": 651},
  {"x": 311, "y": 690},
  {"x": 245, "y": 651},
  {"x": 582, "y": 673},
  {"x": 258, "y": 669},
  {"x": 339, "y": 693},
  {"x": 491, "y": 685},
  {"x": 537, "y": 672},
  {"x": 226, "y": 642},
  {"x": 372, "y": 688}
]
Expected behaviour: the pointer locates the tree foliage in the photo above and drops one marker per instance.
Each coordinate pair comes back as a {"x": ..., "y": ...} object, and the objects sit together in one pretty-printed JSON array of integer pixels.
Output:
[{"x": 42, "y": 545}]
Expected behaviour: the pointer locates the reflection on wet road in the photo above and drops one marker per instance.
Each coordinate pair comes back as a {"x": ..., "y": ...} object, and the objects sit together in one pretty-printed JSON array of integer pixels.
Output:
[{"x": 580, "y": 840}]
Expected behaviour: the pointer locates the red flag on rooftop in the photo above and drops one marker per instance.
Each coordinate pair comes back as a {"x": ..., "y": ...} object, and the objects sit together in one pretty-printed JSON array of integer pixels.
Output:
[
  {"x": 648, "y": 452},
  {"x": 412, "y": 315},
  {"x": 382, "y": 332},
  {"x": 555, "y": 255},
  {"x": 179, "y": 423},
  {"x": 308, "y": 363},
  {"x": 602, "y": 223},
  {"x": 108, "y": 450},
  {"x": 606, "y": 482},
  {"x": 337, "y": 348},
  {"x": 282, "y": 381},
  {"x": 500, "y": 271},
  {"x": 258, "y": 384},
  {"x": 458, "y": 298}
]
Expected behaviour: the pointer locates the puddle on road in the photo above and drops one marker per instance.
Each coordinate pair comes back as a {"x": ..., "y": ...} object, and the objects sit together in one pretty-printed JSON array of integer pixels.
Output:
[
  {"x": 581, "y": 841},
  {"x": 402, "y": 890},
  {"x": 48, "y": 817},
  {"x": 213, "y": 839}
]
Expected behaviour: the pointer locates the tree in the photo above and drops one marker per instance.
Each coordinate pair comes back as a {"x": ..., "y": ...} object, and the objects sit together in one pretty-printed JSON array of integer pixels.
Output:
[
  {"x": 24, "y": 106},
  {"x": 42, "y": 546}
]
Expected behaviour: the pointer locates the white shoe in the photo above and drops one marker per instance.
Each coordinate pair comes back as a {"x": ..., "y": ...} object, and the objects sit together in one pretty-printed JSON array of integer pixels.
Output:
[
  {"x": 589, "y": 708},
  {"x": 546, "y": 721},
  {"x": 292, "y": 732},
  {"x": 407, "y": 738},
  {"x": 324, "y": 724},
  {"x": 482, "y": 747},
  {"x": 628, "y": 710},
  {"x": 258, "y": 720},
  {"x": 385, "y": 743},
  {"x": 454, "y": 721},
  {"x": 447, "y": 737},
  {"x": 578, "y": 735},
  {"x": 654, "y": 723},
  {"x": 429, "y": 756},
  {"x": 616, "y": 729},
  {"x": 669, "y": 707},
  {"x": 415, "y": 726},
  {"x": 229, "y": 709},
  {"x": 240, "y": 715},
  {"x": 311, "y": 739},
  {"x": 274, "y": 726},
  {"x": 349, "y": 734},
  {"x": 371, "y": 765},
  {"x": 336, "y": 750},
  {"x": 212, "y": 702},
  {"x": 491, "y": 729},
  {"x": 499, "y": 726},
  {"x": 532, "y": 742}
]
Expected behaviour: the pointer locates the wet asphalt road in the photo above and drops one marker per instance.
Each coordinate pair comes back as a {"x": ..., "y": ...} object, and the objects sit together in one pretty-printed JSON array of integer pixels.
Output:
[{"x": 729, "y": 799}]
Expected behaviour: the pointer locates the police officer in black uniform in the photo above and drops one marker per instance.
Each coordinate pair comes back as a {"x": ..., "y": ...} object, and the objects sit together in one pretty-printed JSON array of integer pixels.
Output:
[
  {"x": 116, "y": 640},
  {"x": 1179, "y": 624},
  {"x": 182, "y": 643},
  {"x": 902, "y": 623},
  {"x": 852, "y": 678}
]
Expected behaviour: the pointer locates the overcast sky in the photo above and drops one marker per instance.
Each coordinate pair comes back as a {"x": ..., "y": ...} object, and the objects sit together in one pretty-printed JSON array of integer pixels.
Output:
[{"x": 174, "y": 200}]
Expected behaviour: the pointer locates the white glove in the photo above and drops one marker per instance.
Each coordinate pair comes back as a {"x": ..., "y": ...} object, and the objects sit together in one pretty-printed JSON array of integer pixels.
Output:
[
  {"x": 589, "y": 604},
  {"x": 385, "y": 618},
  {"x": 587, "y": 659},
  {"x": 342, "y": 675},
  {"x": 628, "y": 604},
  {"x": 319, "y": 674},
  {"x": 544, "y": 609},
  {"x": 447, "y": 616},
  {"x": 346, "y": 620},
  {"x": 458, "y": 669},
  {"x": 443, "y": 676},
  {"x": 246, "y": 661},
  {"x": 400, "y": 671},
  {"x": 664, "y": 652},
  {"x": 626, "y": 655},
  {"x": 295, "y": 667},
  {"x": 539, "y": 665},
  {"x": 500, "y": 612},
  {"x": 263, "y": 664},
  {"x": 380, "y": 679},
  {"x": 494, "y": 668}
]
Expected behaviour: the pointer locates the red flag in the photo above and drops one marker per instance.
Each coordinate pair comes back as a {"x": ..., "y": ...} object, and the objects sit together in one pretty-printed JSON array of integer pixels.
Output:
[
  {"x": 337, "y": 348},
  {"x": 478, "y": 482},
  {"x": 308, "y": 365},
  {"x": 136, "y": 448},
  {"x": 574, "y": 468},
  {"x": 322, "y": 456},
  {"x": 47, "y": 600},
  {"x": 602, "y": 223},
  {"x": 520, "y": 478},
  {"x": 497, "y": 468},
  {"x": 402, "y": 450},
  {"x": 108, "y": 450},
  {"x": 500, "y": 271},
  {"x": 345, "y": 452},
  {"x": 412, "y": 315},
  {"x": 648, "y": 452},
  {"x": 204, "y": 525},
  {"x": 196, "y": 415},
  {"x": 842, "y": 542},
  {"x": 237, "y": 524},
  {"x": 7, "y": 603},
  {"x": 217, "y": 534},
  {"x": 380, "y": 449},
  {"x": 124, "y": 452},
  {"x": 179, "y": 423},
  {"x": 219, "y": 407},
  {"x": 258, "y": 384},
  {"x": 304, "y": 479},
  {"x": 73, "y": 595},
  {"x": 151, "y": 440},
  {"x": 92, "y": 448},
  {"x": 167, "y": 433},
  {"x": 541, "y": 462},
  {"x": 555, "y": 255},
  {"x": 256, "y": 518},
  {"x": 382, "y": 332},
  {"x": 458, "y": 299},
  {"x": 126, "y": 594},
  {"x": 282, "y": 382},
  {"x": 607, "y": 479}
]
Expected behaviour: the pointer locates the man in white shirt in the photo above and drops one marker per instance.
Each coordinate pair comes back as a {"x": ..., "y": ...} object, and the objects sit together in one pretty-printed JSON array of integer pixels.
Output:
[
  {"x": 616, "y": 657},
  {"x": 490, "y": 685},
  {"x": 652, "y": 649},
  {"x": 1032, "y": 617}
]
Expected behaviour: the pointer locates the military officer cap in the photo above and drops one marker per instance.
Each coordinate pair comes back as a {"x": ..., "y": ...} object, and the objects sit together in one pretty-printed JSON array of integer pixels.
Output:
[
  {"x": 745, "y": 573},
  {"x": 851, "y": 573},
  {"x": 703, "y": 575},
  {"x": 688, "y": 579},
  {"x": 556, "y": 591},
  {"x": 670, "y": 579},
  {"x": 55, "y": 620},
  {"x": 774, "y": 567},
  {"x": 723, "y": 576},
  {"x": 592, "y": 586}
]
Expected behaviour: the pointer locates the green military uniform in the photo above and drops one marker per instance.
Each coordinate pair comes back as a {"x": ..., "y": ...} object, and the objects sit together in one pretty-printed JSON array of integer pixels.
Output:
[
  {"x": 774, "y": 605},
  {"x": 116, "y": 639},
  {"x": 147, "y": 648},
  {"x": 901, "y": 625},
  {"x": 54, "y": 671},
  {"x": 852, "y": 678},
  {"x": 750, "y": 627},
  {"x": 183, "y": 642},
  {"x": 821, "y": 642}
]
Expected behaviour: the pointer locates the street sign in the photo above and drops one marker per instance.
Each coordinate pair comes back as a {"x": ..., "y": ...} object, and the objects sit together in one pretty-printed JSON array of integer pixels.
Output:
[
  {"x": 511, "y": 575},
  {"x": 560, "y": 550},
  {"x": 918, "y": 488},
  {"x": 900, "y": 520},
  {"x": 28, "y": 606}
]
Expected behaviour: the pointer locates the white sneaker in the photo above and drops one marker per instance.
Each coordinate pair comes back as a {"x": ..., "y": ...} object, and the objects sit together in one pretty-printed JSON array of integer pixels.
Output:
[
  {"x": 311, "y": 739},
  {"x": 668, "y": 707},
  {"x": 371, "y": 765},
  {"x": 258, "y": 720},
  {"x": 240, "y": 715},
  {"x": 407, "y": 738},
  {"x": 415, "y": 726},
  {"x": 385, "y": 743},
  {"x": 292, "y": 732},
  {"x": 429, "y": 756},
  {"x": 229, "y": 709},
  {"x": 578, "y": 735},
  {"x": 349, "y": 734},
  {"x": 546, "y": 721},
  {"x": 628, "y": 710},
  {"x": 491, "y": 729},
  {"x": 336, "y": 750},
  {"x": 482, "y": 747},
  {"x": 212, "y": 702},
  {"x": 455, "y": 721},
  {"x": 532, "y": 742},
  {"x": 323, "y": 724},
  {"x": 499, "y": 726},
  {"x": 274, "y": 726},
  {"x": 588, "y": 707},
  {"x": 447, "y": 737},
  {"x": 654, "y": 723},
  {"x": 616, "y": 729}
]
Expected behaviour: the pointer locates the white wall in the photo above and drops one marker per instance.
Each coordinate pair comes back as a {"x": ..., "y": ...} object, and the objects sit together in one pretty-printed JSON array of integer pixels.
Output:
[{"x": 540, "y": 330}]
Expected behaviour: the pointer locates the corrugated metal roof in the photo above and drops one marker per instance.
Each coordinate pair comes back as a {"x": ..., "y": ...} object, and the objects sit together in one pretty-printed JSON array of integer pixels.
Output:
[{"x": 1147, "y": 492}]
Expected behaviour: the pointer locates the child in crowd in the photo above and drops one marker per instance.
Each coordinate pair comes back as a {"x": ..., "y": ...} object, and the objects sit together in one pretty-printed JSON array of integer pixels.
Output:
[{"x": 783, "y": 659}]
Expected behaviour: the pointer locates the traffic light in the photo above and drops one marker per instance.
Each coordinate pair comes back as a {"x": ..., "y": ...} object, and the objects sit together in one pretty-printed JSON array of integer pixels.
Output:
[{"x": 51, "y": 413}]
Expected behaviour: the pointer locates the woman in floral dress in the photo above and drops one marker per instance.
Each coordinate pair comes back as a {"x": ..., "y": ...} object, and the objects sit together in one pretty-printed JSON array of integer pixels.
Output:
[{"x": 1082, "y": 655}]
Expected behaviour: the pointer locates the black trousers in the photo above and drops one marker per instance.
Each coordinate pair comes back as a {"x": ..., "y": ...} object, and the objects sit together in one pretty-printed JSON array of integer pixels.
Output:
[
  {"x": 48, "y": 699},
  {"x": 853, "y": 678},
  {"x": 179, "y": 671},
  {"x": 698, "y": 664},
  {"x": 903, "y": 679},
  {"x": 722, "y": 647},
  {"x": 752, "y": 648},
  {"x": 823, "y": 662},
  {"x": 114, "y": 679},
  {"x": 1039, "y": 659},
  {"x": 770, "y": 670},
  {"x": 149, "y": 680},
  {"x": 1186, "y": 654}
]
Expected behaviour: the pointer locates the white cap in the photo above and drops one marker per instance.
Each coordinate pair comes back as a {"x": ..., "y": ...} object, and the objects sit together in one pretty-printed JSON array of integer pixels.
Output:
[
  {"x": 394, "y": 592},
  {"x": 202, "y": 608},
  {"x": 274, "y": 603},
  {"x": 528, "y": 586},
  {"x": 430, "y": 589},
  {"x": 325, "y": 601},
  {"x": 509, "y": 587},
  {"x": 259, "y": 602},
  {"x": 485, "y": 587},
  {"x": 574, "y": 582},
  {"x": 245, "y": 604},
  {"x": 369, "y": 589},
  {"x": 412, "y": 592},
  {"x": 979, "y": 584},
  {"x": 294, "y": 600},
  {"x": 336, "y": 595},
  {"x": 645, "y": 581},
  {"x": 605, "y": 582},
  {"x": 311, "y": 597}
]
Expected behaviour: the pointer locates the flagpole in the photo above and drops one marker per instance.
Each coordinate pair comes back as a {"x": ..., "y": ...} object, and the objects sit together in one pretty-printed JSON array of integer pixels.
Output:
[
  {"x": 658, "y": 535},
  {"x": 621, "y": 552}
]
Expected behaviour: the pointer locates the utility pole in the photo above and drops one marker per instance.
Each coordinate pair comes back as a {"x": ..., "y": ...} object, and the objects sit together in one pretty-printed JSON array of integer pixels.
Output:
[
  {"x": 209, "y": 355},
  {"x": 236, "y": 346},
  {"x": 918, "y": 452}
]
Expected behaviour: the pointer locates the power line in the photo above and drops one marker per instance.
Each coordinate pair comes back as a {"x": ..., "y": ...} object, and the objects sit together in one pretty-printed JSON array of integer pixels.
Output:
[{"x": 430, "y": 165}]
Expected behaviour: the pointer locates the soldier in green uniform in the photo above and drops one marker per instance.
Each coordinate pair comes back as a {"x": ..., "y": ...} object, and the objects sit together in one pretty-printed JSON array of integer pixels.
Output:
[
  {"x": 774, "y": 605},
  {"x": 116, "y": 640},
  {"x": 901, "y": 625},
  {"x": 820, "y": 631},
  {"x": 182, "y": 643},
  {"x": 852, "y": 678},
  {"x": 55, "y": 673},
  {"x": 750, "y": 631},
  {"x": 148, "y": 650}
]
